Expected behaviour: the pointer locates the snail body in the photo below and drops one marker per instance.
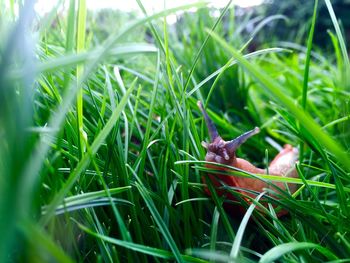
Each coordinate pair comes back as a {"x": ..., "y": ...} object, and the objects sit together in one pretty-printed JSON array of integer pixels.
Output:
[{"x": 224, "y": 152}]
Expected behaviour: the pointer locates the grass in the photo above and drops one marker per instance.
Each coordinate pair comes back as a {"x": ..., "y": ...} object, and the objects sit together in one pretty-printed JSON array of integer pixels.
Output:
[{"x": 100, "y": 151}]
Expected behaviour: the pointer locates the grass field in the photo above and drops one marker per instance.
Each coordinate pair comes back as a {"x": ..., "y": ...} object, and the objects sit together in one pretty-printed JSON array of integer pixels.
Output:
[{"x": 100, "y": 151}]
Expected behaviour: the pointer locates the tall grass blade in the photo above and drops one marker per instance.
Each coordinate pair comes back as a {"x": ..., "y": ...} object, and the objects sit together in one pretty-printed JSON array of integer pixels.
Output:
[
  {"x": 240, "y": 232},
  {"x": 339, "y": 35},
  {"x": 306, "y": 71},
  {"x": 80, "y": 69}
]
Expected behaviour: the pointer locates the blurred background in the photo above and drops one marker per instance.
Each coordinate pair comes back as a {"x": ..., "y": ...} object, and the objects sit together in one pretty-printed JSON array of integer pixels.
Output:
[
  {"x": 297, "y": 12},
  {"x": 261, "y": 23}
]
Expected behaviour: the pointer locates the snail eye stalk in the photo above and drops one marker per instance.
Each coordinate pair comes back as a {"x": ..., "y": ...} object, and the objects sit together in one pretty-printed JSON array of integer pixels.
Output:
[
  {"x": 210, "y": 125},
  {"x": 233, "y": 145}
]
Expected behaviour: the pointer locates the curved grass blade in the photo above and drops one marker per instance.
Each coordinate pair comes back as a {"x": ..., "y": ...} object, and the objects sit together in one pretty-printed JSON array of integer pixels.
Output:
[
  {"x": 239, "y": 235},
  {"x": 280, "y": 250},
  {"x": 85, "y": 198},
  {"x": 155, "y": 252},
  {"x": 230, "y": 171},
  {"x": 234, "y": 62},
  {"x": 89, "y": 204},
  {"x": 266, "y": 21},
  {"x": 197, "y": 199},
  {"x": 212, "y": 256},
  {"x": 70, "y": 60}
]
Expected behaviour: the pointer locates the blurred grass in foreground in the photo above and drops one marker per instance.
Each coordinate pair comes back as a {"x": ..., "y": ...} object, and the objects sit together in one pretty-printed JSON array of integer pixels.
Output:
[{"x": 114, "y": 174}]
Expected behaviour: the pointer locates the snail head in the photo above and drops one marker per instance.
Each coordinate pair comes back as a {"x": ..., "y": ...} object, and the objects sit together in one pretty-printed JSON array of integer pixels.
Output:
[{"x": 219, "y": 150}]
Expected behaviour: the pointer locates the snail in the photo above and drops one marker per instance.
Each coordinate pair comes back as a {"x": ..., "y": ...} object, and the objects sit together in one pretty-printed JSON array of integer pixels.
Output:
[{"x": 224, "y": 152}]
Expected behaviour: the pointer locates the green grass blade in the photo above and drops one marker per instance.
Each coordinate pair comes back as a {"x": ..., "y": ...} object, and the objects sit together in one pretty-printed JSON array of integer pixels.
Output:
[
  {"x": 274, "y": 178},
  {"x": 155, "y": 252},
  {"x": 70, "y": 27},
  {"x": 339, "y": 35},
  {"x": 231, "y": 63},
  {"x": 308, "y": 57},
  {"x": 240, "y": 232},
  {"x": 192, "y": 200},
  {"x": 86, "y": 198},
  {"x": 80, "y": 69},
  {"x": 214, "y": 229},
  {"x": 70, "y": 60},
  {"x": 280, "y": 250},
  {"x": 266, "y": 21},
  {"x": 306, "y": 71},
  {"x": 211, "y": 256}
]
